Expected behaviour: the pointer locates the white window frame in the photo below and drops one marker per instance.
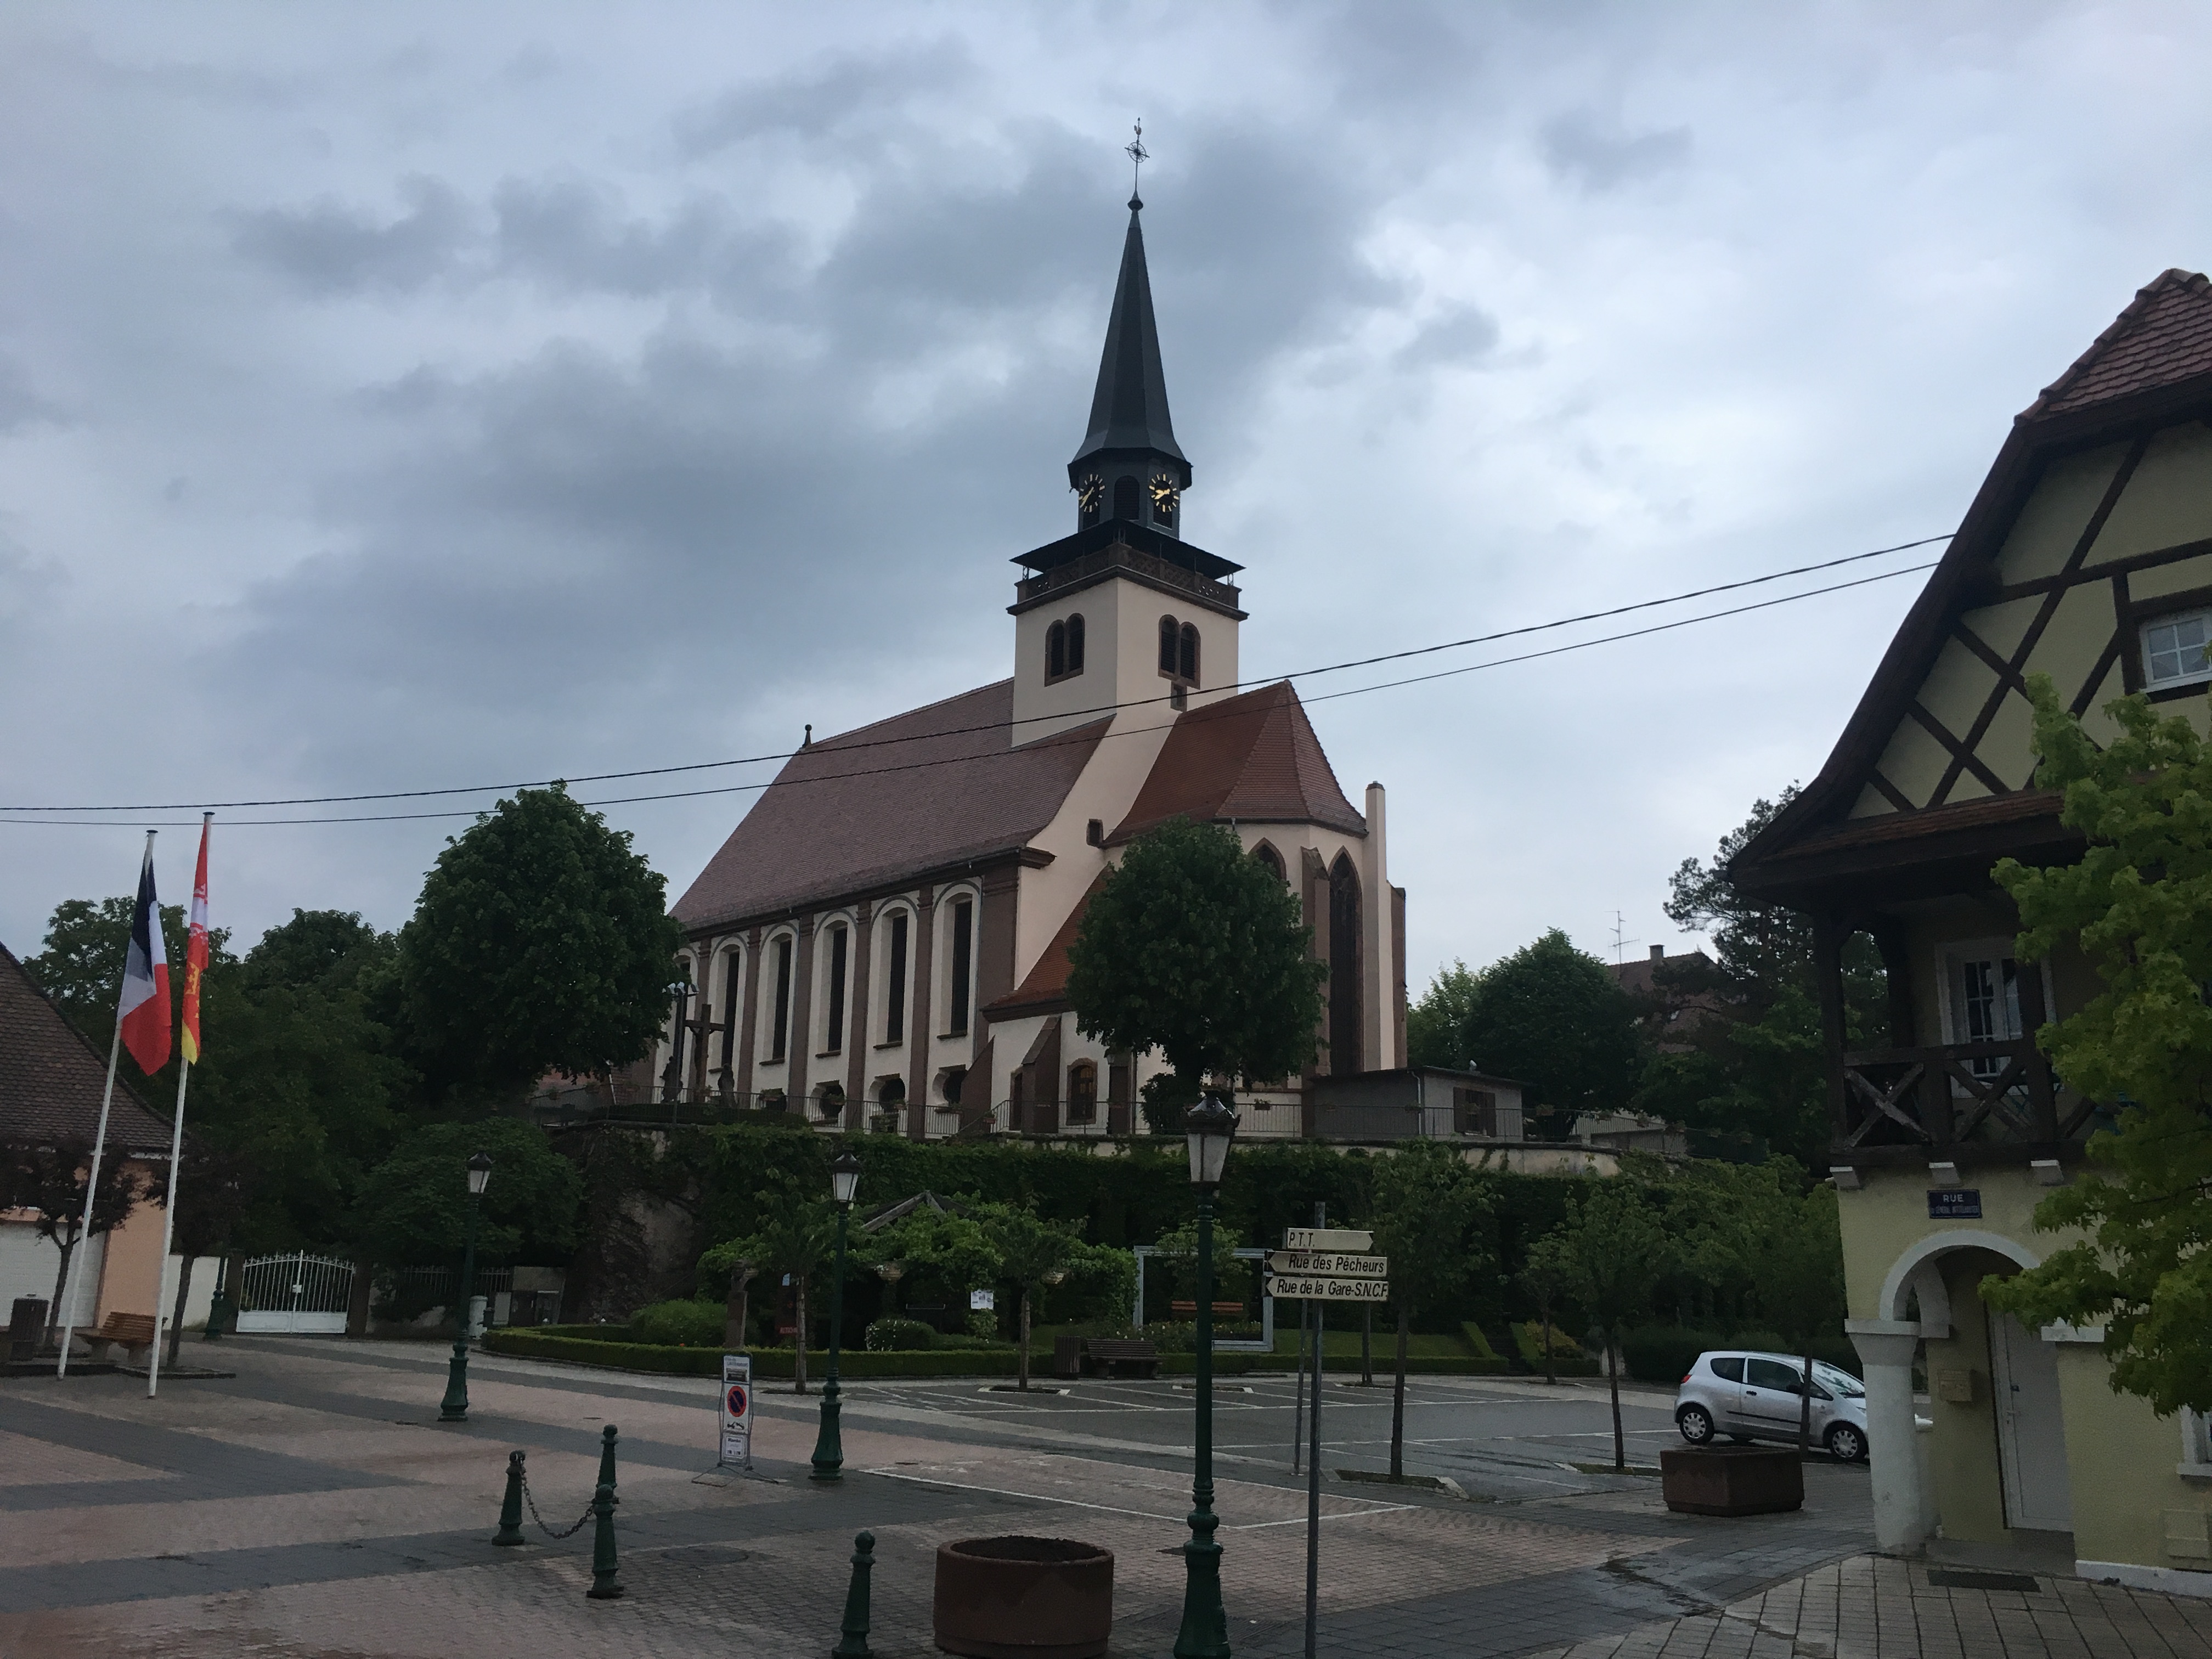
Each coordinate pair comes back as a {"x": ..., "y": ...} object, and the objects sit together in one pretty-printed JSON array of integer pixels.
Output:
[
  {"x": 2196, "y": 1446},
  {"x": 2168, "y": 619},
  {"x": 1951, "y": 954}
]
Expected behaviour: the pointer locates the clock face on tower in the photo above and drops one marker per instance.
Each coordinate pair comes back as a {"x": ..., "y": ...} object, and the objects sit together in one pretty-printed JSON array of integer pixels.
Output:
[
  {"x": 1165, "y": 493},
  {"x": 1090, "y": 493}
]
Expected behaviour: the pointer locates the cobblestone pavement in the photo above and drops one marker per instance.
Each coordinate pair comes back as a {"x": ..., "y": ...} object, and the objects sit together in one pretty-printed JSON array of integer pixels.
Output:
[
  {"x": 312, "y": 1507},
  {"x": 1866, "y": 1608}
]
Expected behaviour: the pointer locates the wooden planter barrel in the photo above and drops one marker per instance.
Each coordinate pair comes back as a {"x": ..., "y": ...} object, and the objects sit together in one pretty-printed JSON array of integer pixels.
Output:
[
  {"x": 1732, "y": 1479},
  {"x": 1024, "y": 1598}
]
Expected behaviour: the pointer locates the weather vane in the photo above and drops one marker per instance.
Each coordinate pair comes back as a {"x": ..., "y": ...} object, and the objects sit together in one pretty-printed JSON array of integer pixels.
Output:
[{"x": 1138, "y": 155}]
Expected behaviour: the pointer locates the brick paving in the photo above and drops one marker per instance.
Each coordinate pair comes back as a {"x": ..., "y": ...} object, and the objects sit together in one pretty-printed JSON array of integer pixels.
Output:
[{"x": 312, "y": 1507}]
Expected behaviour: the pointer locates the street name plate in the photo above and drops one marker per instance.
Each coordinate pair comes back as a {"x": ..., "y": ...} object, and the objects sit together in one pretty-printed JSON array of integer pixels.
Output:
[
  {"x": 1342, "y": 1264},
  {"x": 1326, "y": 1238},
  {"x": 1326, "y": 1287}
]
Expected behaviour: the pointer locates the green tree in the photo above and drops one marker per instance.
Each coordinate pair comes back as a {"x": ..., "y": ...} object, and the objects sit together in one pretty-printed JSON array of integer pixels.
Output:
[
  {"x": 1437, "y": 1025},
  {"x": 1748, "y": 1070},
  {"x": 541, "y": 943},
  {"x": 1549, "y": 1015},
  {"x": 81, "y": 970},
  {"x": 1548, "y": 1275},
  {"x": 1802, "y": 1281},
  {"x": 1031, "y": 1253},
  {"x": 1177, "y": 1250},
  {"x": 209, "y": 1203},
  {"x": 1191, "y": 947},
  {"x": 323, "y": 951},
  {"x": 796, "y": 1233},
  {"x": 48, "y": 1178},
  {"x": 2139, "y": 906},
  {"x": 1427, "y": 1204},
  {"x": 412, "y": 1209},
  {"x": 1615, "y": 1253}
]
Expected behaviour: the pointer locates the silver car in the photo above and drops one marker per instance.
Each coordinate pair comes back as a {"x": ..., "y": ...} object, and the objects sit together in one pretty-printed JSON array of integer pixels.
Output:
[{"x": 1759, "y": 1396}]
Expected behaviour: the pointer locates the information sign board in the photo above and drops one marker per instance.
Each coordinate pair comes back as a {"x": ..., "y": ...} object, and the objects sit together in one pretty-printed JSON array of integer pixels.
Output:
[
  {"x": 1324, "y": 1287},
  {"x": 738, "y": 1411},
  {"x": 1328, "y": 1238},
  {"x": 1342, "y": 1263},
  {"x": 1955, "y": 1204}
]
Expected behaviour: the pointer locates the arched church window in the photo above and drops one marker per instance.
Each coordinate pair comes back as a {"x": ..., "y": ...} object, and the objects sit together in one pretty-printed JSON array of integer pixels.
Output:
[
  {"x": 1187, "y": 653},
  {"x": 1344, "y": 1024},
  {"x": 1056, "y": 651},
  {"x": 1126, "y": 498},
  {"x": 1273, "y": 860},
  {"x": 1075, "y": 645},
  {"x": 1082, "y": 1092},
  {"x": 1169, "y": 645}
]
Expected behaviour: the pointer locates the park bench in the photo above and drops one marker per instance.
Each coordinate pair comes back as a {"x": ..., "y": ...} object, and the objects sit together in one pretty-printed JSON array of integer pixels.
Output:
[
  {"x": 132, "y": 1333},
  {"x": 1221, "y": 1309},
  {"x": 1120, "y": 1357}
]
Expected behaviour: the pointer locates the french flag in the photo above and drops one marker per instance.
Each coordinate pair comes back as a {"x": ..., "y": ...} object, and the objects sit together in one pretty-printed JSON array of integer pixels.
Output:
[{"x": 145, "y": 1009}]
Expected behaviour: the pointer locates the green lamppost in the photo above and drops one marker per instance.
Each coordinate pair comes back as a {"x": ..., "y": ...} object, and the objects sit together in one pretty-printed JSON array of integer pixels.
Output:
[
  {"x": 829, "y": 1449},
  {"x": 1210, "y": 1127},
  {"x": 454, "y": 1407}
]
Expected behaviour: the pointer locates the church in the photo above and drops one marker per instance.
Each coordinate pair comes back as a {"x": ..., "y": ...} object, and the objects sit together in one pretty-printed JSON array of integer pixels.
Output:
[{"x": 882, "y": 943}]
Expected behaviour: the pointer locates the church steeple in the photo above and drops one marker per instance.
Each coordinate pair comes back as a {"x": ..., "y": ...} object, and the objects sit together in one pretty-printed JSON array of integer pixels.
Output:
[{"x": 1130, "y": 466}]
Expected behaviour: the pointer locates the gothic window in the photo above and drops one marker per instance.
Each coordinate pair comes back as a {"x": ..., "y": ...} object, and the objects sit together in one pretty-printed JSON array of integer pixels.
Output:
[
  {"x": 1075, "y": 645},
  {"x": 1056, "y": 651},
  {"x": 733, "y": 971},
  {"x": 1082, "y": 1092},
  {"x": 963, "y": 956},
  {"x": 1344, "y": 1010},
  {"x": 1187, "y": 653},
  {"x": 1268, "y": 856},
  {"x": 1125, "y": 499},
  {"x": 778, "y": 1037},
  {"x": 895, "y": 985},
  {"x": 1169, "y": 645},
  {"x": 834, "y": 1036}
]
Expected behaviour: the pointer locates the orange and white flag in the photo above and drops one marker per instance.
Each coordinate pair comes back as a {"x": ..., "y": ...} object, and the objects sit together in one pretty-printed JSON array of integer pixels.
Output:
[{"x": 195, "y": 950}]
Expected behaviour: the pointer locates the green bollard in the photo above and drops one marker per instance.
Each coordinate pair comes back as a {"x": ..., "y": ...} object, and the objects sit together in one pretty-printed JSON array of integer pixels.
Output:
[
  {"x": 510, "y": 1507},
  {"x": 607, "y": 1437},
  {"x": 607, "y": 1582},
  {"x": 856, "y": 1644}
]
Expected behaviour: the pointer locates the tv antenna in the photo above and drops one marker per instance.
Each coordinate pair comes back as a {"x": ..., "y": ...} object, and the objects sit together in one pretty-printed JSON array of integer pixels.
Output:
[{"x": 1619, "y": 944}]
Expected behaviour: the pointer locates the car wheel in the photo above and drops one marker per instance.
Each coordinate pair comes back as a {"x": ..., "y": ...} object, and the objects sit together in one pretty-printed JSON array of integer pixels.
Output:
[
  {"x": 1696, "y": 1423},
  {"x": 1846, "y": 1443}
]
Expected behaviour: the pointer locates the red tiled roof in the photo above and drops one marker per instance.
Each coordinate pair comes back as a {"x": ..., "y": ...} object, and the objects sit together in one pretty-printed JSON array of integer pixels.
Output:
[
  {"x": 1046, "y": 982},
  {"x": 1252, "y": 758},
  {"x": 2164, "y": 336},
  {"x": 936, "y": 786},
  {"x": 51, "y": 1078}
]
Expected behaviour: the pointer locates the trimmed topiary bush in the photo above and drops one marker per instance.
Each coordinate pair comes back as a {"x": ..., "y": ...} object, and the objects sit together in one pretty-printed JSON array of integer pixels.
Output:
[
  {"x": 679, "y": 1324},
  {"x": 898, "y": 1336}
]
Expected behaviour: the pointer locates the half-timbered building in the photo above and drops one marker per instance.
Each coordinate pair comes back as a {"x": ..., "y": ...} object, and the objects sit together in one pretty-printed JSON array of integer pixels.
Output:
[
  {"x": 882, "y": 943},
  {"x": 2085, "y": 556}
]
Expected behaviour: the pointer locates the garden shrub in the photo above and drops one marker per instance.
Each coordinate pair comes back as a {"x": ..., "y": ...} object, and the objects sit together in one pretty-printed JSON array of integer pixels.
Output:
[
  {"x": 679, "y": 1324},
  {"x": 1662, "y": 1353},
  {"x": 1477, "y": 1340},
  {"x": 1528, "y": 1338},
  {"x": 898, "y": 1336}
]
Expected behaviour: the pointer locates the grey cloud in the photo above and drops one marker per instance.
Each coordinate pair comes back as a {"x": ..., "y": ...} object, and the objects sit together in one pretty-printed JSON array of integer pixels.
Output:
[
  {"x": 21, "y": 405},
  {"x": 1460, "y": 336},
  {"x": 331, "y": 249},
  {"x": 1599, "y": 154},
  {"x": 839, "y": 93}
]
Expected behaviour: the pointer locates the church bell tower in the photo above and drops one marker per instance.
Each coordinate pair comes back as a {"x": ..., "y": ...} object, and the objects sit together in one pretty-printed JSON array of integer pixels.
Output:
[{"x": 1129, "y": 466}]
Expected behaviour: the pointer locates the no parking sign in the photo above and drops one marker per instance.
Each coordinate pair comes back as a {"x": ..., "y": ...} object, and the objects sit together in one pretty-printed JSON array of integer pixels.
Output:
[{"x": 737, "y": 1411}]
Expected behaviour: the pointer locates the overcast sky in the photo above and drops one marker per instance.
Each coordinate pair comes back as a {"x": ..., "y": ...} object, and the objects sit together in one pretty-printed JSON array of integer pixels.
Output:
[{"x": 406, "y": 396}]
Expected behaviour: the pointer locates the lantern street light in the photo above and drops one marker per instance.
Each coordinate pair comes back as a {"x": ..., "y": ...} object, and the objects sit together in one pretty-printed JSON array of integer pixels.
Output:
[
  {"x": 1210, "y": 1127},
  {"x": 829, "y": 1449},
  {"x": 454, "y": 1407}
]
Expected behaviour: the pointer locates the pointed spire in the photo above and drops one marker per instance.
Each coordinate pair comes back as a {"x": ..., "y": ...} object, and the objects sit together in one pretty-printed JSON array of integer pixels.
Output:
[{"x": 1129, "y": 410}]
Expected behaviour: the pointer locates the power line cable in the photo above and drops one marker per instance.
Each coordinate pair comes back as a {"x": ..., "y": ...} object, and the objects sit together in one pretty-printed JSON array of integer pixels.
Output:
[
  {"x": 836, "y": 746},
  {"x": 1032, "y": 748}
]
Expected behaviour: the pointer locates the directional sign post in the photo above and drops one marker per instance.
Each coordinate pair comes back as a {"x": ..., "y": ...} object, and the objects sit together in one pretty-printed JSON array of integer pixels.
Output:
[
  {"x": 737, "y": 1411},
  {"x": 1327, "y": 1287},
  {"x": 1326, "y": 1238}
]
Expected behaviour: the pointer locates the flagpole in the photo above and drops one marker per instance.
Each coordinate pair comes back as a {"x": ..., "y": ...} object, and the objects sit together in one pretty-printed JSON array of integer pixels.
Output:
[
  {"x": 192, "y": 952},
  {"x": 169, "y": 1224},
  {"x": 99, "y": 1146}
]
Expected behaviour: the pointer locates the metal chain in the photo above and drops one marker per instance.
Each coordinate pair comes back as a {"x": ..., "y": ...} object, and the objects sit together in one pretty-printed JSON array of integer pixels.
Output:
[{"x": 529, "y": 1497}]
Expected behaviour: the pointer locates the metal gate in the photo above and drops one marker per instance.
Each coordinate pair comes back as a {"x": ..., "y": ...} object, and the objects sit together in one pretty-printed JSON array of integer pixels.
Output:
[{"x": 302, "y": 1295}]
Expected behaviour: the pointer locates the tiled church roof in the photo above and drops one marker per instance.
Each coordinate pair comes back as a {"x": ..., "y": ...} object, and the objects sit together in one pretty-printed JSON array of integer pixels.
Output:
[
  {"x": 1252, "y": 758},
  {"x": 51, "y": 1078},
  {"x": 2164, "y": 337},
  {"x": 933, "y": 788}
]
